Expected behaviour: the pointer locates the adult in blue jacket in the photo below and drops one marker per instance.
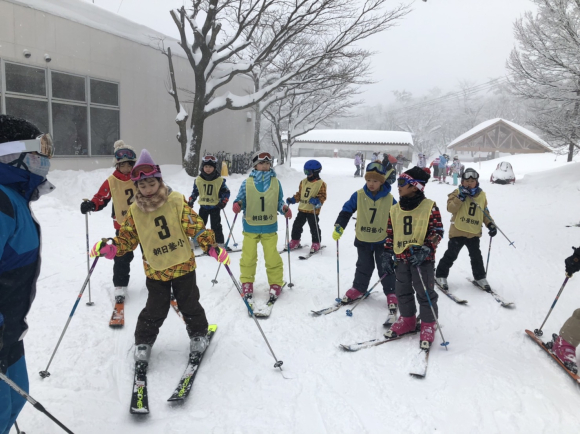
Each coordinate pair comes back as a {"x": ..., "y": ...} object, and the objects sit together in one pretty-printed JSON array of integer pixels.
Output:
[{"x": 24, "y": 162}]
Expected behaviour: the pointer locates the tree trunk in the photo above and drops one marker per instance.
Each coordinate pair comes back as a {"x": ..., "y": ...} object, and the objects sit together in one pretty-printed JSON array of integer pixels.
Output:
[
  {"x": 570, "y": 152},
  {"x": 257, "y": 117},
  {"x": 191, "y": 163}
]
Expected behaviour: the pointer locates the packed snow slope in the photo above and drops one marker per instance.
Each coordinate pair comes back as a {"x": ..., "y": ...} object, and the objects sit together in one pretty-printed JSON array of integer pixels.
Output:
[{"x": 492, "y": 379}]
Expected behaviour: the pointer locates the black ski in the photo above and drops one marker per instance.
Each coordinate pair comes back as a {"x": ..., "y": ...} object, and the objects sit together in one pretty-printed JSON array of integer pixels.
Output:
[
  {"x": 299, "y": 246},
  {"x": 391, "y": 318},
  {"x": 450, "y": 295},
  {"x": 374, "y": 342},
  {"x": 139, "y": 399},
  {"x": 311, "y": 254},
  {"x": 186, "y": 381},
  {"x": 494, "y": 294},
  {"x": 336, "y": 306}
]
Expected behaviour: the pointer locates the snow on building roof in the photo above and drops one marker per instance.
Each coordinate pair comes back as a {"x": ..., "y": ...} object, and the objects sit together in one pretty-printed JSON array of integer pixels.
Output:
[
  {"x": 357, "y": 136},
  {"x": 97, "y": 18},
  {"x": 491, "y": 122}
]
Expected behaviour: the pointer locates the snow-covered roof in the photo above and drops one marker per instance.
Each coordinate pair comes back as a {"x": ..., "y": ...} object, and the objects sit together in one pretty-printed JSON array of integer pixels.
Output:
[
  {"x": 357, "y": 136},
  {"x": 93, "y": 16},
  {"x": 486, "y": 124}
]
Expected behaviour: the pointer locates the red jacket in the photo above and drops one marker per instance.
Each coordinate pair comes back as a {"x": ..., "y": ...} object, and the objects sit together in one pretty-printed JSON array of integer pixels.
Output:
[{"x": 103, "y": 196}]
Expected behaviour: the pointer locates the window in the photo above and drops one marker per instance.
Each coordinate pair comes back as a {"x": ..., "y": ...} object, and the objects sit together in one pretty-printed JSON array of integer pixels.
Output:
[{"x": 81, "y": 113}]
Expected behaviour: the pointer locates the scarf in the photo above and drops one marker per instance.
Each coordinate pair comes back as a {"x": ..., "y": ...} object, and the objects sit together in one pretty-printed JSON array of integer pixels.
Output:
[
  {"x": 149, "y": 204},
  {"x": 409, "y": 203}
]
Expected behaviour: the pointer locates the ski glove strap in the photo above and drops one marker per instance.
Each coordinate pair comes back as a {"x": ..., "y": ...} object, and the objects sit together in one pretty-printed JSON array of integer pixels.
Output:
[
  {"x": 219, "y": 254},
  {"x": 337, "y": 233}
]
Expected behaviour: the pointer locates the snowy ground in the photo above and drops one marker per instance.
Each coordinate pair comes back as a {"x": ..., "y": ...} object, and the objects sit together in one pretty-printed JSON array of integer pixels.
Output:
[{"x": 493, "y": 379}]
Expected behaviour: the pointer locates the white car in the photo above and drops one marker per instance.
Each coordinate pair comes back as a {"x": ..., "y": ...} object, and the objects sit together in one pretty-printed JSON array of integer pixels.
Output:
[{"x": 503, "y": 174}]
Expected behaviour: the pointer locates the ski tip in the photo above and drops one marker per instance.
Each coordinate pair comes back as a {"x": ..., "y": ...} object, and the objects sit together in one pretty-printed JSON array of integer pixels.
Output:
[{"x": 212, "y": 327}]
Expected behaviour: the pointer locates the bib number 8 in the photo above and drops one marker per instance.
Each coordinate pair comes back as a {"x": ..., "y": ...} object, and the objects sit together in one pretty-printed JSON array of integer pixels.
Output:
[
  {"x": 162, "y": 224},
  {"x": 408, "y": 225}
]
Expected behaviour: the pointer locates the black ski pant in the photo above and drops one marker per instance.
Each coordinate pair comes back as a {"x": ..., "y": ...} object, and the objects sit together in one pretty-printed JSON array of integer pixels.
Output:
[
  {"x": 153, "y": 315},
  {"x": 365, "y": 267},
  {"x": 299, "y": 222},
  {"x": 122, "y": 268},
  {"x": 453, "y": 248},
  {"x": 357, "y": 173},
  {"x": 408, "y": 282},
  {"x": 216, "y": 222}
]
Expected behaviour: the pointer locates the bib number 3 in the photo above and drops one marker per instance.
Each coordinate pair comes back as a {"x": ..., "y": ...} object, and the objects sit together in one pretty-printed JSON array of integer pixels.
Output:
[{"x": 162, "y": 224}]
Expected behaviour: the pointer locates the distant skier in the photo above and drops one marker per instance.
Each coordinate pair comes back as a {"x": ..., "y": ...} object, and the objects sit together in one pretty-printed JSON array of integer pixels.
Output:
[
  {"x": 372, "y": 203},
  {"x": 421, "y": 161},
  {"x": 24, "y": 162},
  {"x": 311, "y": 196},
  {"x": 456, "y": 169},
  {"x": 414, "y": 230},
  {"x": 435, "y": 166},
  {"x": 443, "y": 167},
  {"x": 467, "y": 219},
  {"x": 400, "y": 163},
  {"x": 357, "y": 163}
]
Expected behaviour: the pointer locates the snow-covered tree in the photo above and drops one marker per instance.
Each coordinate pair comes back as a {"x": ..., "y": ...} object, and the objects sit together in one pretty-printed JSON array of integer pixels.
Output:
[
  {"x": 545, "y": 69},
  {"x": 217, "y": 56}
]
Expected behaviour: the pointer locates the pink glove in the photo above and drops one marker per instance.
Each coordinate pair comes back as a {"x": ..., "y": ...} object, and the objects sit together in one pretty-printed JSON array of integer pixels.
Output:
[
  {"x": 220, "y": 255},
  {"x": 287, "y": 212},
  {"x": 101, "y": 248},
  {"x": 237, "y": 208}
]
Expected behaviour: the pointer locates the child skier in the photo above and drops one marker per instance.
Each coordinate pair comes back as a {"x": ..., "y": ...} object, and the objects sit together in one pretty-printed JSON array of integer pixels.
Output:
[
  {"x": 435, "y": 166},
  {"x": 414, "y": 230},
  {"x": 456, "y": 169},
  {"x": 162, "y": 222},
  {"x": 121, "y": 190},
  {"x": 443, "y": 159},
  {"x": 372, "y": 203},
  {"x": 261, "y": 198},
  {"x": 311, "y": 196},
  {"x": 465, "y": 205},
  {"x": 213, "y": 195},
  {"x": 564, "y": 345}
]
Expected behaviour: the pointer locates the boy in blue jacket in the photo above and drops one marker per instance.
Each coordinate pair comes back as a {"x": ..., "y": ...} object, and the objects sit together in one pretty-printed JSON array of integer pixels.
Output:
[
  {"x": 372, "y": 203},
  {"x": 24, "y": 162}
]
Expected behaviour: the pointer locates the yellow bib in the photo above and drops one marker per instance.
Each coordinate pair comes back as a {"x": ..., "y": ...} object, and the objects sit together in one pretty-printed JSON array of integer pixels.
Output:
[
  {"x": 262, "y": 208},
  {"x": 469, "y": 218},
  {"x": 209, "y": 190},
  {"x": 372, "y": 217},
  {"x": 410, "y": 227},
  {"x": 122, "y": 193},
  {"x": 308, "y": 190},
  {"x": 161, "y": 235}
]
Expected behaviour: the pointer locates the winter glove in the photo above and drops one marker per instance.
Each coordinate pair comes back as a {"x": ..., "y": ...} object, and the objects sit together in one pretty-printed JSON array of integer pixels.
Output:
[
  {"x": 418, "y": 256},
  {"x": 337, "y": 233},
  {"x": 463, "y": 193},
  {"x": 573, "y": 262},
  {"x": 221, "y": 204},
  {"x": 190, "y": 202},
  {"x": 1, "y": 331},
  {"x": 287, "y": 211},
  {"x": 101, "y": 248},
  {"x": 290, "y": 201},
  {"x": 87, "y": 206},
  {"x": 315, "y": 201},
  {"x": 388, "y": 261},
  {"x": 237, "y": 207},
  {"x": 492, "y": 230},
  {"x": 220, "y": 255}
]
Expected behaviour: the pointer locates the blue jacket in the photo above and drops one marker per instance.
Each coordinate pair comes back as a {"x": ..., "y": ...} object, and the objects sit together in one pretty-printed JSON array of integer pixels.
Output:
[
  {"x": 19, "y": 256},
  {"x": 442, "y": 161},
  {"x": 350, "y": 207},
  {"x": 262, "y": 182}
]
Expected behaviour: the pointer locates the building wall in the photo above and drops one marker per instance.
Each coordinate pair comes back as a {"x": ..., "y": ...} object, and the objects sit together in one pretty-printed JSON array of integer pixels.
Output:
[
  {"x": 345, "y": 150},
  {"x": 147, "y": 111}
]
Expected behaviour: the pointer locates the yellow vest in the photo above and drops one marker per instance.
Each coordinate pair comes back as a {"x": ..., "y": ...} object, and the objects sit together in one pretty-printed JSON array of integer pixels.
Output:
[
  {"x": 410, "y": 227},
  {"x": 209, "y": 190},
  {"x": 122, "y": 193},
  {"x": 262, "y": 208},
  {"x": 308, "y": 190},
  {"x": 372, "y": 217},
  {"x": 161, "y": 234},
  {"x": 469, "y": 218}
]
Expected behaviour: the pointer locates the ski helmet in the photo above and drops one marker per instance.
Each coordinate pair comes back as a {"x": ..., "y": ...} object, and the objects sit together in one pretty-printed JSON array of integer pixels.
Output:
[
  {"x": 209, "y": 160},
  {"x": 123, "y": 152},
  {"x": 261, "y": 157},
  {"x": 470, "y": 173},
  {"x": 312, "y": 165}
]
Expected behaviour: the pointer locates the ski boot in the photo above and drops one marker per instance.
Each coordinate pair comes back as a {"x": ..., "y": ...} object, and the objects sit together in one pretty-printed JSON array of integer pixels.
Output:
[
  {"x": 294, "y": 244},
  {"x": 564, "y": 351},
  {"x": 483, "y": 284},
  {"x": 248, "y": 290},
  {"x": 142, "y": 355},
  {"x": 351, "y": 295},
  {"x": 315, "y": 247},
  {"x": 393, "y": 304},
  {"x": 120, "y": 292},
  {"x": 402, "y": 326},
  {"x": 442, "y": 282},
  {"x": 275, "y": 291},
  {"x": 427, "y": 335},
  {"x": 198, "y": 344}
]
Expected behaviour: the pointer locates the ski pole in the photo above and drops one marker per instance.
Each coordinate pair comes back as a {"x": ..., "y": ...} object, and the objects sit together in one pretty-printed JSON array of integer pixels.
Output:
[
  {"x": 18, "y": 429},
  {"x": 337, "y": 275},
  {"x": 290, "y": 285},
  {"x": 316, "y": 220},
  {"x": 229, "y": 227},
  {"x": 488, "y": 216},
  {"x": 45, "y": 373},
  {"x": 365, "y": 295},
  {"x": 444, "y": 343},
  {"x": 278, "y": 363},
  {"x": 488, "y": 253},
  {"x": 89, "y": 303},
  {"x": 214, "y": 281},
  {"x": 539, "y": 332},
  {"x": 32, "y": 401}
]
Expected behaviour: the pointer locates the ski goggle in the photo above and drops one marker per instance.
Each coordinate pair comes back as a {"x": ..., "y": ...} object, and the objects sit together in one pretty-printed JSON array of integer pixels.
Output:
[
  {"x": 262, "y": 157},
  {"x": 208, "y": 158},
  {"x": 143, "y": 170},
  {"x": 402, "y": 181},
  {"x": 376, "y": 167},
  {"x": 470, "y": 174},
  {"x": 121, "y": 154},
  {"x": 41, "y": 145}
]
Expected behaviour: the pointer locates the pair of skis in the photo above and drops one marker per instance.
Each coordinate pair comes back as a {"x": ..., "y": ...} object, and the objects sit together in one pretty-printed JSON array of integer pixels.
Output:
[
  {"x": 140, "y": 397},
  {"x": 543, "y": 345},
  {"x": 494, "y": 294},
  {"x": 265, "y": 310}
]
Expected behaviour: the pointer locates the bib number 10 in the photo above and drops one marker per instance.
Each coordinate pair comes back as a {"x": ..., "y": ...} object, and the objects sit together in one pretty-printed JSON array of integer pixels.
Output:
[
  {"x": 208, "y": 189},
  {"x": 162, "y": 224}
]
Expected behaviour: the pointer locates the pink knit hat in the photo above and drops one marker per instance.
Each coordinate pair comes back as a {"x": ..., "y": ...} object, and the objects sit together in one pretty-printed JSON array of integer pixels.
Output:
[{"x": 145, "y": 167}]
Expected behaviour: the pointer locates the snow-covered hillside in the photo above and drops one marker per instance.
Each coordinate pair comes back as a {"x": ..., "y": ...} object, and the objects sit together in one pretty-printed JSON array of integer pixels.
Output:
[{"x": 493, "y": 378}]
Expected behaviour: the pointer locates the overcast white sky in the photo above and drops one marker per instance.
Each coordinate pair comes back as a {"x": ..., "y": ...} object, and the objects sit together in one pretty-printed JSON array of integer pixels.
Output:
[{"x": 438, "y": 44}]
